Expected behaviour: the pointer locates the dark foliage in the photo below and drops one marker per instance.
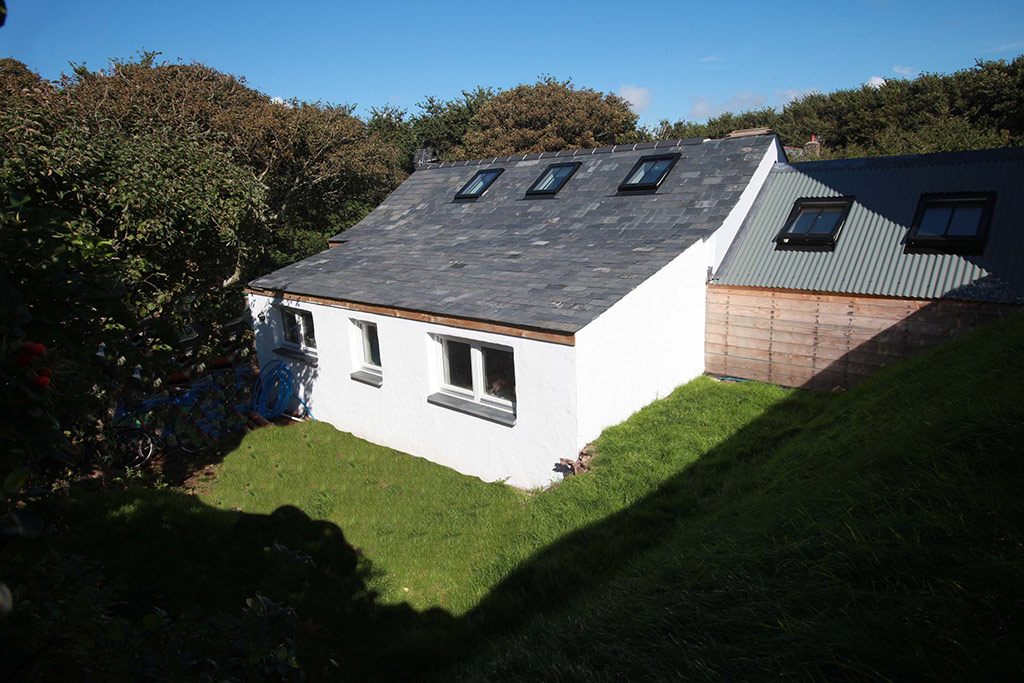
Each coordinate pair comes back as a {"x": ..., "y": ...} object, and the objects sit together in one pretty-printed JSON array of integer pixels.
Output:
[{"x": 975, "y": 108}]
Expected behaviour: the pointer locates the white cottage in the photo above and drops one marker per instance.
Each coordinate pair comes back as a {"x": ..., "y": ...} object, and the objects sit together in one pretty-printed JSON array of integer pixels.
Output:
[{"x": 494, "y": 316}]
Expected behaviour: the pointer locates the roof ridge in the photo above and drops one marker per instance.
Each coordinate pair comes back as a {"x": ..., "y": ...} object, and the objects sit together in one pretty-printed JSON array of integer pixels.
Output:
[
  {"x": 630, "y": 147},
  {"x": 966, "y": 156}
]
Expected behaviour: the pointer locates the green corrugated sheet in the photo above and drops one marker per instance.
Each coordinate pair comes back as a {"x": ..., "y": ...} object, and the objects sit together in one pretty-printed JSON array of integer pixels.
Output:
[{"x": 869, "y": 257}]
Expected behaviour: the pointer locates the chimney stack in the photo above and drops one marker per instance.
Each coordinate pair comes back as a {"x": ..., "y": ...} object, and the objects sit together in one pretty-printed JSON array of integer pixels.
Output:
[{"x": 813, "y": 148}]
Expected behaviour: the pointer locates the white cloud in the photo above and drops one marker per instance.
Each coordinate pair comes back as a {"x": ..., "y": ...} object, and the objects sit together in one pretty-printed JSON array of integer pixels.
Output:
[
  {"x": 784, "y": 97},
  {"x": 705, "y": 108},
  {"x": 875, "y": 82},
  {"x": 903, "y": 70},
  {"x": 639, "y": 98},
  {"x": 711, "y": 59},
  {"x": 1010, "y": 46}
]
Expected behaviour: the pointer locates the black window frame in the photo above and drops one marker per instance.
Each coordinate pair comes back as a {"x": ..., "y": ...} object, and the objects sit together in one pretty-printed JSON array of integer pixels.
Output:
[
  {"x": 951, "y": 244},
  {"x": 462, "y": 194},
  {"x": 304, "y": 325},
  {"x": 652, "y": 186},
  {"x": 787, "y": 240},
  {"x": 533, "y": 192}
]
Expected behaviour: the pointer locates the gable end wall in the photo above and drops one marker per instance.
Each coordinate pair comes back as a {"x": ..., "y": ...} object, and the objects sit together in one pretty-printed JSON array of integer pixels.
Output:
[{"x": 652, "y": 340}]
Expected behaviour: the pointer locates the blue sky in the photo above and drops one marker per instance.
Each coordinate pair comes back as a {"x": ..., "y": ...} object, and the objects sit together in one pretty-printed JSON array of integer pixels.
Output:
[{"x": 672, "y": 60}]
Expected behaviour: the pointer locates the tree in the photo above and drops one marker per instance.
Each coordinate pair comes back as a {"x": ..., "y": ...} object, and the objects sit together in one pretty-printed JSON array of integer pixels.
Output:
[
  {"x": 548, "y": 116},
  {"x": 322, "y": 167},
  {"x": 390, "y": 126},
  {"x": 115, "y": 233},
  {"x": 973, "y": 108},
  {"x": 442, "y": 124},
  {"x": 17, "y": 80}
]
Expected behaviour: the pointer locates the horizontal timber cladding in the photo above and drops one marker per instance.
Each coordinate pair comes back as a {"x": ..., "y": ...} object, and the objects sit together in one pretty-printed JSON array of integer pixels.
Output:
[
  {"x": 823, "y": 341},
  {"x": 464, "y": 323}
]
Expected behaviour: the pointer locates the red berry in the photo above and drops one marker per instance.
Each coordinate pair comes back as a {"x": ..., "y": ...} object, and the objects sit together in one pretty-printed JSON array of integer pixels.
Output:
[
  {"x": 25, "y": 359},
  {"x": 46, "y": 372},
  {"x": 42, "y": 382},
  {"x": 38, "y": 349}
]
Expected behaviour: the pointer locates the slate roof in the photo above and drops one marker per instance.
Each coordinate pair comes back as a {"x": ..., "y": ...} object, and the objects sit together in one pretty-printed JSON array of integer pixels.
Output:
[
  {"x": 542, "y": 263},
  {"x": 869, "y": 257}
]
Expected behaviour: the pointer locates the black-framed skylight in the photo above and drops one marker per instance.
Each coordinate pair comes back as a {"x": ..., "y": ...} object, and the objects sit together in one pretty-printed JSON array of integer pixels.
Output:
[
  {"x": 553, "y": 179},
  {"x": 648, "y": 173},
  {"x": 814, "y": 222},
  {"x": 953, "y": 223},
  {"x": 479, "y": 183}
]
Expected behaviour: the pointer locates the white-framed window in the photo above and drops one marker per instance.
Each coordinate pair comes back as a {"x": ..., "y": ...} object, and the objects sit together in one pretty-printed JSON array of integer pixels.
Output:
[
  {"x": 298, "y": 329},
  {"x": 367, "y": 353},
  {"x": 478, "y": 372}
]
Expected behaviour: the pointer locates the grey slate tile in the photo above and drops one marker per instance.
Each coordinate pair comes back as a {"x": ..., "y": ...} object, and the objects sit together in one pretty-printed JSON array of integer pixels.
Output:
[{"x": 554, "y": 264}]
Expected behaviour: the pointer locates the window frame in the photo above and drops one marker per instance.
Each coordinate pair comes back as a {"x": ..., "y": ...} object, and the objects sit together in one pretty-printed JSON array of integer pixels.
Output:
[
  {"x": 951, "y": 244},
  {"x": 652, "y": 186},
  {"x": 462, "y": 194},
  {"x": 366, "y": 371},
  {"x": 301, "y": 316},
  {"x": 468, "y": 400},
  {"x": 533, "y": 192},
  {"x": 787, "y": 240}
]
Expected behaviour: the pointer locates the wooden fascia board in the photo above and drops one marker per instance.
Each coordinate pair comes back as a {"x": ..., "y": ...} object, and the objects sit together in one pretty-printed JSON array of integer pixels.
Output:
[
  {"x": 824, "y": 293},
  {"x": 565, "y": 338}
]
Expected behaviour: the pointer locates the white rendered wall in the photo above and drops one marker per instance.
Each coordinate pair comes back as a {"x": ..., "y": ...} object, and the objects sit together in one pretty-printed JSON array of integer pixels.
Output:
[
  {"x": 643, "y": 347},
  {"x": 652, "y": 340},
  {"x": 397, "y": 414},
  {"x": 648, "y": 343}
]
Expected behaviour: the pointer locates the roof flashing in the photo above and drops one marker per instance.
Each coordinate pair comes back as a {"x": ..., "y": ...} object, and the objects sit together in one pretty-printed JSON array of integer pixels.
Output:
[
  {"x": 950, "y": 223},
  {"x": 479, "y": 183},
  {"x": 553, "y": 179},
  {"x": 649, "y": 172},
  {"x": 814, "y": 222}
]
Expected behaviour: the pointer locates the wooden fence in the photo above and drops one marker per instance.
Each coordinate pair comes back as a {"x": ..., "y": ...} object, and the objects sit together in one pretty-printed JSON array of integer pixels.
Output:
[{"x": 824, "y": 341}]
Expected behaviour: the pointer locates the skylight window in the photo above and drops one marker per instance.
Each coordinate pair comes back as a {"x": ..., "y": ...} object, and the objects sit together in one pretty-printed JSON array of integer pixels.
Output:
[
  {"x": 649, "y": 172},
  {"x": 479, "y": 183},
  {"x": 552, "y": 179},
  {"x": 814, "y": 222},
  {"x": 952, "y": 223}
]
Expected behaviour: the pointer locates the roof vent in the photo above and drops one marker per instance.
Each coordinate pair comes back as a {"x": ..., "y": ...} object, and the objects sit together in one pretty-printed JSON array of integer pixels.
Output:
[
  {"x": 422, "y": 157},
  {"x": 748, "y": 132}
]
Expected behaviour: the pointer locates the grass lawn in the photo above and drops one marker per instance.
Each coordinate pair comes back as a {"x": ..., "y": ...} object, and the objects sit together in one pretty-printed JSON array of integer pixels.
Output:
[
  {"x": 727, "y": 532},
  {"x": 442, "y": 539}
]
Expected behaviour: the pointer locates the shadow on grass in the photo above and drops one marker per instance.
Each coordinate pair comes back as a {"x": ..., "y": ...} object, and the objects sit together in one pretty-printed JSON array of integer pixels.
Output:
[
  {"x": 832, "y": 537},
  {"x": 865, "y": 535},
  {"x": 151, "y": 551}
]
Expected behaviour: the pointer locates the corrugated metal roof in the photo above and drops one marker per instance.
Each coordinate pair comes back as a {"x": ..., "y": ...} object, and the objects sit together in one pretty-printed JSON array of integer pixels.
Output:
[{"x": 869, "y": 257}]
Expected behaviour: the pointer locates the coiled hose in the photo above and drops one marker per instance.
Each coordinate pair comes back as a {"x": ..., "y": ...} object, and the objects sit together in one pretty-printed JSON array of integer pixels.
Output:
[{"x": 273, "y": 391}]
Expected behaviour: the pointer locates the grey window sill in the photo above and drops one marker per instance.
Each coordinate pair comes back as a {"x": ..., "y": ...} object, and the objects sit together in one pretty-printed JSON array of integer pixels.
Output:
[
  {"x": 302, "y": 357},
  {"x": 472, "y": 408},
  {"x": 371, "y": 378}
]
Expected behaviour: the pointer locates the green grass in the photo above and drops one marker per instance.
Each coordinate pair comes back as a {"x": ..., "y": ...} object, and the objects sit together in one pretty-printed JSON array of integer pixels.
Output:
[
  {"x": 443, "y": 539},
  {"x": 727, "y": 532}
]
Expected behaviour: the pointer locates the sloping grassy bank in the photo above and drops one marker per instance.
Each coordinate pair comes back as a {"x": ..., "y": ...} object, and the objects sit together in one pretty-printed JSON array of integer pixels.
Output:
[
  {"x": 727, "y": 532},
  {"x": 873, "y": 534}
]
